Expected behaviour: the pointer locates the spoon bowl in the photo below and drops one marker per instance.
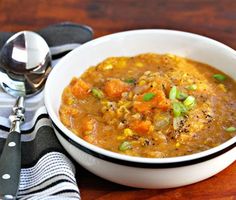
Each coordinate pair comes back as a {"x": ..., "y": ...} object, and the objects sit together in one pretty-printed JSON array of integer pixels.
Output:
[{"x": 25, "y": 62}]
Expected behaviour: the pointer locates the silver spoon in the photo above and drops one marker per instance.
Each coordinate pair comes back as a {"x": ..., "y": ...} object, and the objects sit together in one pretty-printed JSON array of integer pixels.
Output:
[{"x": 25, "y": 62}]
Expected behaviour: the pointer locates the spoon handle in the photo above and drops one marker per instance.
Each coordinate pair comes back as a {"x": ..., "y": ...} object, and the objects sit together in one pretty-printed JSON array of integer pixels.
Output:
[
  {"x": 10, "y": 160},
  {"x": 10, "y": 165}
]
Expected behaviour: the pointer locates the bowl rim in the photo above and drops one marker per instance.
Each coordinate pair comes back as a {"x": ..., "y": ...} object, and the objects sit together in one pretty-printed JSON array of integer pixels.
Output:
[{"x": 126, "y": 159}]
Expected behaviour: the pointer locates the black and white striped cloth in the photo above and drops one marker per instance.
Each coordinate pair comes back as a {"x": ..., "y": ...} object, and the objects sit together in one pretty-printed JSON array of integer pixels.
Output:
[{"x": 47, "y": 173}]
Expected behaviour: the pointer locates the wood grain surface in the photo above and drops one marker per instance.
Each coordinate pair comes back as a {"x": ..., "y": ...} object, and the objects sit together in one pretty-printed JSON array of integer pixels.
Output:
[{"x": 212, "y": 18}]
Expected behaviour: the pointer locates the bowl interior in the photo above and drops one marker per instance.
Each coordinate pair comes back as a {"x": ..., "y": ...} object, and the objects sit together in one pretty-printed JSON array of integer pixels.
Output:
[{"x": 131, "y": 43}]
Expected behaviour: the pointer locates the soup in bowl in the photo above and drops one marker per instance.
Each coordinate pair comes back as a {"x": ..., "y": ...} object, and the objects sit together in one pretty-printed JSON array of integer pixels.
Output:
[{"x": 147, "y": 108}]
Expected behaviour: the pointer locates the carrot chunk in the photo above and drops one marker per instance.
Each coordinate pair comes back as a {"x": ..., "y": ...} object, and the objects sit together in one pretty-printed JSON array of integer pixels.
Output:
[
  {"x": 79, "y": 88},
  {"x": 141, "y": 127},
  {"x": 88, "y": 124},
  {"x": 158, "y": 100},
  {"x": 115, "y": 87},
  {"x": 142, "y": 107}
]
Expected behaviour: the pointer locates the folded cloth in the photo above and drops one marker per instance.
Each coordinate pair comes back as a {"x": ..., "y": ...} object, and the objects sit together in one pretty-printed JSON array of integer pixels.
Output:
[{"x": 47, "y": 172}]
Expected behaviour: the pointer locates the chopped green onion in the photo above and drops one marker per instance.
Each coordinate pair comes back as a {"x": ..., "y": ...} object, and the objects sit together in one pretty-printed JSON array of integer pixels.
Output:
[
  {"x": 97, "y": 93},
  {"x": 176, "y": 109},
  {"x": 148, "y": 96},
  {"x": 129, "y": 80},
  {"x": 192, "y": 87},
  {"x": 179, "y": 109},
  {"x": 230, "y": 129},
  {"x": 189, "y": 102},
  {"x": 181, "y": 95},
  {"x": 173, "y": 92},
  {"x": 125, "y": 146},
  {"x": 184, "y": 110},
  {"x": 219, "y": 77}
]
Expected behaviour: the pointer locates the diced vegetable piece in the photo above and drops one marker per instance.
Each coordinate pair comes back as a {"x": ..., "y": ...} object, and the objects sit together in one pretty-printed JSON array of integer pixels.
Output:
[
  {"x": 129, "y": 80},
  {"x": 161, "y": 120},
  {"x": 192, "y": 87},
  {"x": 141, "y": 127},
  {"x": 125, "y": 146},
  {"x": 115, "y": 87},
  {"x": 79, "y": 88},
  {"x": 148, "y": 96},
  {"x": 173, "y": 92},
  {"x": 97, "y": 93},
  {"x": 107, "y": 67},
  {"x": 181, "y": 95},
  {"x": 164, "y": 104},
  {"x": 177, "y": 121},
  {"x": 176, "y": 109},
  {"x": 142, "y": 107},
  {"x": 184, "y": 110},
  {"x": 222, "y": 87},
  {"x": 179, "y": 109},
  {"x": 89, "y": 125},
  {"x": 189, "y": 102},
  {"x": 128, "y": 132},
  {"x": 219, "y": 77},
  {"x": 230, "y": 129},
  {"x": 177, "y": 145},
  {"x": 158, "y": 101}
]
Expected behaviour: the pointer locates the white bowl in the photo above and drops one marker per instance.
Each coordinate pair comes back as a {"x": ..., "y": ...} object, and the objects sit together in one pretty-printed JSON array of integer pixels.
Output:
[{"x": 137, "y": 171}]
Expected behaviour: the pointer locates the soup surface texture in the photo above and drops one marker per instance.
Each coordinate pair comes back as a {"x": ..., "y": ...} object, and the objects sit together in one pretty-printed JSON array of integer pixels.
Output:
[{"x": 151, "y": 105}]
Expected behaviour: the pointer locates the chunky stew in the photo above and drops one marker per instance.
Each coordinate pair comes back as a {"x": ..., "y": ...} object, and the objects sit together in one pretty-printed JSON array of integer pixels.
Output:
[{"x": 151, "y": 105}]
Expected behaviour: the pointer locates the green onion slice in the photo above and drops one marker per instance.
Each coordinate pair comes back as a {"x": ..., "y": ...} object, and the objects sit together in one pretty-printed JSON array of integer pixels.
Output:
[
  {"x": 176, "y": 109},
  {"x": 148, "y": 96},
  {"x": 230, "y": 129},
  {"x": 189, "y": 102},
  {"x": 129, "y": 80},
  {"x": 179, "y": 109},
  {"x": 173, "y": 92},
  {"x": 219, "y": 77},
  {"x": 97, "y": 93},
  {"x": 125, "y": 146},
  {"x": 181, "y": 95},
  {"x": 192, "y": 87}
]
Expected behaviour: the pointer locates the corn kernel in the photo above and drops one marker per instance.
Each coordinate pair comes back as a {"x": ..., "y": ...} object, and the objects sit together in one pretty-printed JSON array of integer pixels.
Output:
[
  {"x": 119, "y": 112},
  {"x": 154, "y": 84},
  {"x": 87, "y": 133},
  {"x": 177, "y": 145},
  {"x": 202, "y": 86},
  {"x": 171, "y": 55},
  {"x": 108, "y": 67},
  {"x": 222, "y": 87},
  {"x": 142, "y": 82},
  {"x": 128, "y": 132},
  {"x": 105, "y": 102},
  {"x": 122, "y": 63},
  {"x": 151, "y": 129},
  {"x": 70, "y": 101},
  {"x": 139, "y": 64},
  {"x": 130, "y": 95},
  {"x": 120, "y": 137}
]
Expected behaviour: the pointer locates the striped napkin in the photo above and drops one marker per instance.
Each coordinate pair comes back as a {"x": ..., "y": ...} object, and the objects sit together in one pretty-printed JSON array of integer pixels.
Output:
[{"x": 47, "y": 173}]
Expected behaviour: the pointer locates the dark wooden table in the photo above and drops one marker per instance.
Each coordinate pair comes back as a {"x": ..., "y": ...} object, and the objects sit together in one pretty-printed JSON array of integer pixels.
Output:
[{"x": 212, "y": 18}]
